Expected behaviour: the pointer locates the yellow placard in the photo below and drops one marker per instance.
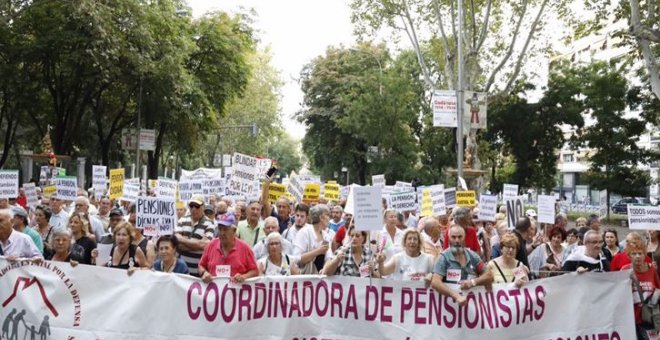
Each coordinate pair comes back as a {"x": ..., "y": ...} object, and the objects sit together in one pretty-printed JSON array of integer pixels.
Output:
[
  {"x": 331, "y": 191},
  {"x": 427, "y": 203},
  {"x": 153, "y": 183},
  {"x": 275, "y": 191},
  {"x": 466, "y": 198},
  {"x": 49, "y": 191},
  {"x": 116, "y": 183},
  {"x": 312, "y": 193}
]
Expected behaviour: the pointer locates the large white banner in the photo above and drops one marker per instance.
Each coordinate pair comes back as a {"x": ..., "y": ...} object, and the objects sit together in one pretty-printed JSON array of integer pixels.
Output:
[{"x": 89, "y": 302}]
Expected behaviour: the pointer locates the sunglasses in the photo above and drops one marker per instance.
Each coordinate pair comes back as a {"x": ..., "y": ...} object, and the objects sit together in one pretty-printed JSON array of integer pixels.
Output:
[{"x": 192, "y": 205}]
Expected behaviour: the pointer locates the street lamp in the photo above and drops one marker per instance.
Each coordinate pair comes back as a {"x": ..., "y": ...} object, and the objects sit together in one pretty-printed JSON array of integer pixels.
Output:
[
  {"x": 380, "y": 66},
  {"x": 345, "y": 170}
]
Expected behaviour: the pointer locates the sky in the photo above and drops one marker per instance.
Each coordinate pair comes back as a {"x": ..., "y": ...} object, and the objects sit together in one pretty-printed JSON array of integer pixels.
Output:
[{"x": 296, "y": 31}]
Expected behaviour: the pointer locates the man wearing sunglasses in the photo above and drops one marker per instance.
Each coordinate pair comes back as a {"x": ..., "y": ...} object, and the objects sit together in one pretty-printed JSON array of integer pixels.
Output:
[{"x": 194, "y": 231}]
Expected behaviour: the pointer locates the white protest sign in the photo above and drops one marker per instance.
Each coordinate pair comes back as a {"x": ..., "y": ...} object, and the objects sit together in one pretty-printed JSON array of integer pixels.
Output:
[
  {"x": 263, "y": 164},
  {"x": 296, "y": 188},
  {"x": 201, "y": 173},
  {"x": 603, "y": 204},
  {"x": 244, "y": 172},
  {"x": 166, "y": 187},
  {"x": 99, "y": 180},
  {"x": 509, "y": 192},
  {"x": 643, "y": 217},
  {"x": 378, "y": 180},
  {"x": 444, "y": 107},
  {"x": 487, "y": 207},
  {"x": 450, "y": 197},
  {"x": 67, "y": 188},
  {"x": 190, "y": 187},
  {"x": 402, "y": 186},
  {"x": 211, "y": 186},
  {"x": 438, "y": 200},
  {"x": 8, "y": 183},
  {"x": 546, "y": 209},
  {"x": 350, "y": 206},
  {"x": 31, "y": 194},
  {"x": 368, "y": 210},
  {"x": 515, "y": 209},
  {"x": 343, "y": 191},
  {"x": 403, "y": 201},
  {"x": 155, "y": 215},
  {"x": 131, "y": 192},
  {"x": 104, "y": 251}
]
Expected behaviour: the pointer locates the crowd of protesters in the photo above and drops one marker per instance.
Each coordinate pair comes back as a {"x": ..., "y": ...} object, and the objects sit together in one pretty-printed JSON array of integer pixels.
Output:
[{"x": 219, "y": 236}]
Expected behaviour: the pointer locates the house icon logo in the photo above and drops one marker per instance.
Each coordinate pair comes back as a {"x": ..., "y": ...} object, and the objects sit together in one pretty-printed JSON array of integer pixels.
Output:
[{"x": 26, "y": 283}]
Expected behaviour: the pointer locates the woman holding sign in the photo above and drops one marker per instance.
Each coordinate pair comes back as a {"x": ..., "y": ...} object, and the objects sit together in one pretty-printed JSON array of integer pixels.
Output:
[
  {"x": 506, "y": 268},
  {"x": 409, "y": 265}
]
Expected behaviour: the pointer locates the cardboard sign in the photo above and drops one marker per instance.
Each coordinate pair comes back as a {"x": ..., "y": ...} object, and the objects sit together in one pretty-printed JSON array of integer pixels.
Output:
[
  {"x": 156, "y": 215},
  {"x": 99, "y": 180},
  {"x": 67, "y": 188},
  {"x": 263, "y": 164},
  {"x": 48, "y": 191},
  {"x": 8, "y": 183},
  {"x": 31, "y": 194},
  {"x": 116, "y": 183},
  {"x": 332, "y": 192},
  {"x": 166, "y": 188},
  {"x": 427, "y": 203},
  {"x": 487, "y": 207},
  {"x": 515, "y": 209},
  {"x": 212, "y": 186},
  {"x": 643, "y": 217},
  {"x": 509, "y": 192},
  {"x": 131, "y": 192},
  {"x": 466, "y": 198},
  {"x": 403, "y": 201},
  {"x": 462, "y": 182},
  {"x": 378, "y": 180},
  {"x": 546, "y": 209},
  {"x": 438, "y": 200},
  {"x": 295, "y": 187},
  {"x": 312, "y": 193},
  {"x": 450, "y": 197},
  {"x": 244, "y": 174},
  {"x": 275, "y": 191},
  {"x": 368, "y": 210},
  {"x": 190, "y": 187},
  {"x": 402, "y": 186}
]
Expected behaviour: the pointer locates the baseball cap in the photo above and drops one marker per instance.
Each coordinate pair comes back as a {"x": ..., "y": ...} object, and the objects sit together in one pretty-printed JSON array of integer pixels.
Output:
[
  {"x": 116, "y": 212},
  {"x": 197, "y": 199},
  {"x": 226, "y": 220},
  {"x": 209, "y": 207},
  {"x": 19, "y": 211},
  {"x": 530, "y": 213}
]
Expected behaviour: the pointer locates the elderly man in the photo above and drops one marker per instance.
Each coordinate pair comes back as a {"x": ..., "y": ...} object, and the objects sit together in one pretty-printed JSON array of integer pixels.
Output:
[
  {"x": 431, "y": 236},
  {"x": 251, "y": 230},
  {"x": 194, "y": 231},
  {"x": 14, "y": 244},
  {"x": 336, "y": 220},
  {"x": 21, "y": 225},
  {"x": 105, "y": 206},
  {"x": 463, "y": 218},
  {"x": 227, "y": 256},
  {"x": 282, "y": 204},
  {"x": 260, "y": 249},
  {"x": 59, "y": 218},
  {"x": 591, "y": 259},
  {"x": 461, "y": 266},
  {"x": 96, "y": 226}
]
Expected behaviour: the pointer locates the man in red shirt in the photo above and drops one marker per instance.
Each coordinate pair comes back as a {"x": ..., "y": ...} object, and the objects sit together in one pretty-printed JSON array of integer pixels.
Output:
[
  {"x": 463, "y": 217},
  {"x": 227, "y": 256}
]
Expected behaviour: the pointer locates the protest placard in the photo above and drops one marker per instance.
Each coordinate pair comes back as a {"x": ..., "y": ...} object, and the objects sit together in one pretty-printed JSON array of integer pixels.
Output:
[
  {"x": 48, "y": 191},
  {"x": 99, "y": 180},
  {"x": 438, "y": 199},
  {"x": 244, "y": 173},
  {"x": 427, "y": 203},
  {"x": 403, "y": 201},
  {"x": 312, "y": 193},
  {"x": 31, "y": 194},
  {"x": 450, "y": 197},
  {"x": 378, "y": 180},
  {"x": 295, "y": 187},
  {"x": 156, "y": 215},
  {"x": 263, "y": 164},
  {"x": 487, "y": 207},
  {"x": 67, "y": 188},
  {"x": 166, "y": 187},
  {"x": 400, "y": 186},
  {"x": 462, "y": 183},
  {"x": 275, "y": 191},
  {"x": 509, "y": 192},
  {"x": 116, "y": 183},
  {"x": 466, "y": 198},
  {"x": 643, "y": 217},
  {"x": 190, "y": 187},
  {"x": 546, "y": 209},
  {"x": 8, "y": 183},
  {"x": 368, "y": 210},
  {"x": 332, "y": 191},
  {"x": 131, "y": 192},
  {"x": 515, "y": 209}
]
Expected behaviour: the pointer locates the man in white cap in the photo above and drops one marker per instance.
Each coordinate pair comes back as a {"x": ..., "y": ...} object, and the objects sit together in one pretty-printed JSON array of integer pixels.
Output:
[{"x": 194, "y": 231}]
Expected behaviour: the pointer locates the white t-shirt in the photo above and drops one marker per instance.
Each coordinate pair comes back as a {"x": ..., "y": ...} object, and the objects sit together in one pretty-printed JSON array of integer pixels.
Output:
[
  {"x": 411, "y": 268},
  {"x": 290, "y": 233},
  {"x": 284, "y": 269},
  {"x": 306, "y": 240}
]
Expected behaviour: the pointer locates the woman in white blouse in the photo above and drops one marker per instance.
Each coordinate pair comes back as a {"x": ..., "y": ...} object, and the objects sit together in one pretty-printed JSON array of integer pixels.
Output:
[{"x": 409, "y": 265}]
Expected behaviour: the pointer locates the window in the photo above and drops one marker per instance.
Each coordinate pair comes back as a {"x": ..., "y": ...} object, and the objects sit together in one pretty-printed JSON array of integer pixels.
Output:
[{"x": 568, "y": 157}]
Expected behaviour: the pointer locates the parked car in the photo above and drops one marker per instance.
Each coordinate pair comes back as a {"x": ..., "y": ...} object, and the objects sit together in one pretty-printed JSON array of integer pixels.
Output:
[{"x": 621, "y": 207}]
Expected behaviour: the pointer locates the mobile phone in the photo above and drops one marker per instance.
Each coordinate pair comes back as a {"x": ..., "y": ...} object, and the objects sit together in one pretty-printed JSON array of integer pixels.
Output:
[{"x": 271, "y": 171}]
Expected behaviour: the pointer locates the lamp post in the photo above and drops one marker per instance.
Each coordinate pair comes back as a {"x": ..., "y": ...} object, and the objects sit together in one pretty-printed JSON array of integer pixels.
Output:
[
  {"x": 345, "y": 170},
  {"x": 459, "y": 94}
]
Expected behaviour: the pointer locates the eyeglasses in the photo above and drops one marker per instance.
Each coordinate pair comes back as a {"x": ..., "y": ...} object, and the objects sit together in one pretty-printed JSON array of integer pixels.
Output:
[{"x": 595, "y": 242}]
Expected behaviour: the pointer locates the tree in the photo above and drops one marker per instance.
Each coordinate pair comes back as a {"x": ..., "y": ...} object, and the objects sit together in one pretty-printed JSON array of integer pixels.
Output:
[
  {"x": 355, "y": 99},
  {"x": 606, "y": 96},
  {"x": 286, "y": 152}
]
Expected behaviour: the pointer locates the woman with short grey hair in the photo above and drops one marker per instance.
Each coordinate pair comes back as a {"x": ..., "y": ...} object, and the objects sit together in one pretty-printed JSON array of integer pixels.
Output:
[
  {"x": 312, "y": 241},
  {"x": 317, "y": 211},
  {"x": 64, "y": 251},
  {"x": 277, "y": 263}
]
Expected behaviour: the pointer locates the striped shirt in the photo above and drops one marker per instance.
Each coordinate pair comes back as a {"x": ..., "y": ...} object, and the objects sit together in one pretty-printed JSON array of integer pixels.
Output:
[{"x": 203, "y": 229}]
